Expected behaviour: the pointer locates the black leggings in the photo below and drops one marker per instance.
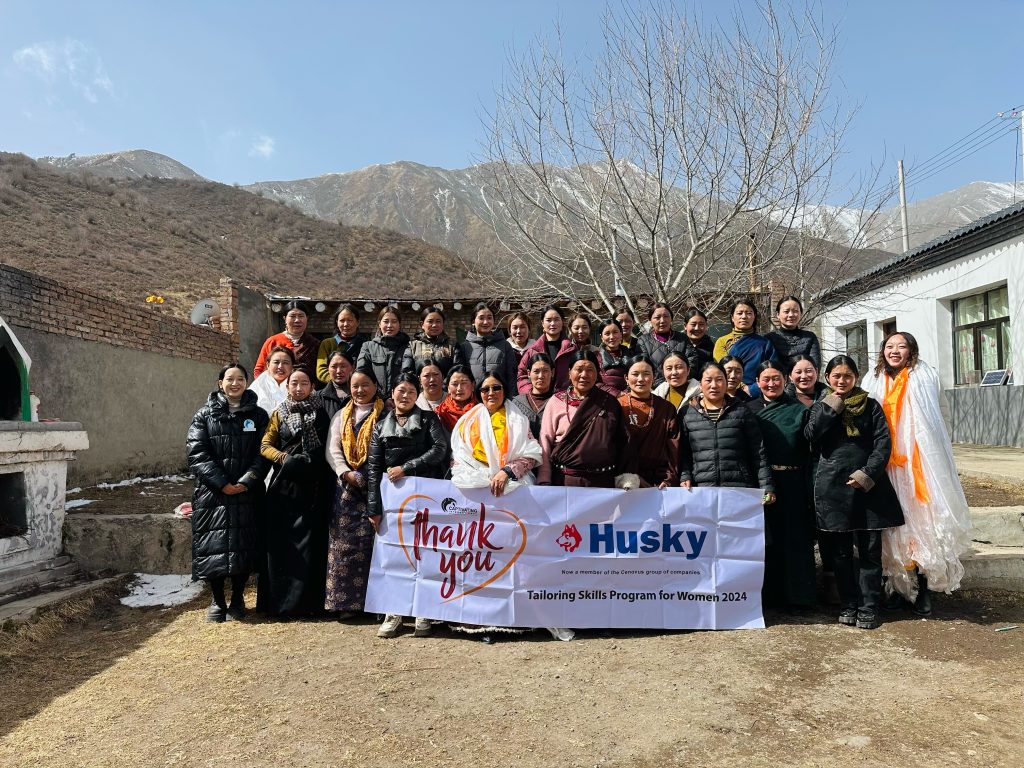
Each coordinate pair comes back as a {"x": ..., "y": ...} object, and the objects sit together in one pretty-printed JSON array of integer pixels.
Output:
[
  {"x": 860, "y": 584},
  {"x": 237, "y": 589}
]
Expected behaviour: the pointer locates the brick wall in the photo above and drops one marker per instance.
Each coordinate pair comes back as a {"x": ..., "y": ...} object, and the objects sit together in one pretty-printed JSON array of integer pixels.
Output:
[{"x": 31, "y": 301}]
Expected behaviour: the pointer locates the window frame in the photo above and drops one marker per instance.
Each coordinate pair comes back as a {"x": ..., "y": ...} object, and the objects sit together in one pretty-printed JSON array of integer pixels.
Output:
[
  {"x": 1001, "y": 326},
  {"x": 860, "y": 354}
]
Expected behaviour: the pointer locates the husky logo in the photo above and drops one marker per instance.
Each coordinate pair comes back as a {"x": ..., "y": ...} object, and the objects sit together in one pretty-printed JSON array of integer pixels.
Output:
[{"x": 570, "y": 539}]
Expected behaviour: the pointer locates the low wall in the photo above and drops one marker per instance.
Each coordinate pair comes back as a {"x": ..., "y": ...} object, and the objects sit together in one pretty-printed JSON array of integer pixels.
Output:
[
  {"x": 135, "y": 406},
  {"x": 987, "y": 415},
  {"x": 132, "y": 375}
]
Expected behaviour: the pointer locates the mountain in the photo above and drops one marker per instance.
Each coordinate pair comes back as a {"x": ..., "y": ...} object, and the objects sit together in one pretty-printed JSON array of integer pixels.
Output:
[
  {"x": 450, "y": 208},
  {"x": 133, "y": 164},
  {"x": 127, "y": 238},
  {"x": 927, "y": 219},
  {"x": 934, "y": 216}
]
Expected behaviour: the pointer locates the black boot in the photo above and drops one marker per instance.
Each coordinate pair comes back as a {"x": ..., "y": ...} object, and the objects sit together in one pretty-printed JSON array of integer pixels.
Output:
[
  {"x": 923, "y": 603},
  {"x": 217, "y": 611},
  {"x": 236, "y": 610}
]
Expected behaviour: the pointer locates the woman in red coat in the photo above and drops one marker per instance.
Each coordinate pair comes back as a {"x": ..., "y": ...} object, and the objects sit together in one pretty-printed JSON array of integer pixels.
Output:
[{"x": 304, "y": 345}]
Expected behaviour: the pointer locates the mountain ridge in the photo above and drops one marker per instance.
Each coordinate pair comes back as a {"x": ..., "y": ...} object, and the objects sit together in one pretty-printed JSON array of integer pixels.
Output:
[{"x": 129, "y": 237}]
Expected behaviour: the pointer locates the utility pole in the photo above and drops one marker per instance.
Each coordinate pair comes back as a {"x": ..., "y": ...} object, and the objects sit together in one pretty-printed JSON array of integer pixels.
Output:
[
  {"x": 615, "y": 264},
  {"x": 751, "y": 244},
  {"x": 903, "y": 208},
  {"x": 1017, "y": 114}
]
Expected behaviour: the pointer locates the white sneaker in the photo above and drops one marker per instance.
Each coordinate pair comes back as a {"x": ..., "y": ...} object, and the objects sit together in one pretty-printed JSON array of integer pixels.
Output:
[
  {"x": 392, "y": 623},
  {"x": 561, "y": 633},
  {"x": 423, "y": 627}
]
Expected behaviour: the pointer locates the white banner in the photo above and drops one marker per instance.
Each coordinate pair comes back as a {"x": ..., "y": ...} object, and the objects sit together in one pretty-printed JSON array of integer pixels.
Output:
[{"x": 570, "y": 557}]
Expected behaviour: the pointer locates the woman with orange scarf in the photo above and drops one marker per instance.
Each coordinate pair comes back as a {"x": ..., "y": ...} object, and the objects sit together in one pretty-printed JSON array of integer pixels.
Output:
[
  {"x": 350, "y": 532},
  {"x": 459, "y": 385},
  {"x": 922, "y": 556}
]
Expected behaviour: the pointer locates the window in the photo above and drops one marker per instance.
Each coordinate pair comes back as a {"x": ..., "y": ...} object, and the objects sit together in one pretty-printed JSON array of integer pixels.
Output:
[
  {"x": 981, "y": 334},
  {"x": 888, "y": 326},
  {"x": 857, "y": 345}
]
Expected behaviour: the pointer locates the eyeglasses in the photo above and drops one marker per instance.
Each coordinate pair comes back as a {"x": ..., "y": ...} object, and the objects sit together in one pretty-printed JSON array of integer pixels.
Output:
[{"x": 492, "y": 388}]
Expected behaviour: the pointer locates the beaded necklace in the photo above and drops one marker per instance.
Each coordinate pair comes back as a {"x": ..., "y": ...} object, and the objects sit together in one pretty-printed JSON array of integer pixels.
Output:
[{"x": 631, "y": 415}]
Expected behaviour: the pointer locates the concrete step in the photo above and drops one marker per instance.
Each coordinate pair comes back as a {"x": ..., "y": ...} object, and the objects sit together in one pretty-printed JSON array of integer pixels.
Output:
[
  {"x": 146, "y": 543},
  {"x": 33, "y": 578},
  {"x": 998, "y": 526},
  {"x": 26, "y": 608},
  {"x": 991, "y": 567}
]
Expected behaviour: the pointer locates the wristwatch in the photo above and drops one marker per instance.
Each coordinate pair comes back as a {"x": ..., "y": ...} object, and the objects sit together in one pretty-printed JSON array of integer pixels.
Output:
[{"x": 508, "y": 471}]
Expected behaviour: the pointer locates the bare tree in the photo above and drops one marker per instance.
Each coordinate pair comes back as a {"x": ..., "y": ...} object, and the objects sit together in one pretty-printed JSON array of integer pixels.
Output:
[{"x": 673, "y": 165}]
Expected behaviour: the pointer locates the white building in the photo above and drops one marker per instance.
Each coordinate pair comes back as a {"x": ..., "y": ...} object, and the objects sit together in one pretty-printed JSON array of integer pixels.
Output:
[{"x": 961, "y": 296}]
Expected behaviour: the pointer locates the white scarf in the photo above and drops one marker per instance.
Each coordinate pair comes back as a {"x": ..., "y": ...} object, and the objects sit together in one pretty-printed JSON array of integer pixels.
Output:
[
  {"x": 467, "y": 471},
  {"x": 269, "y": 394},
  {"x": 936, "y": 532}
]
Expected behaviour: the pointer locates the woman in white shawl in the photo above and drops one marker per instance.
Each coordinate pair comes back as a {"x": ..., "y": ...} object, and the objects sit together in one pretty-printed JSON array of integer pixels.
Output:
[
  {"x": 492, "y": 447},
  {"x": 922, "y": 555},
  {"x": 271, "y": 386}
]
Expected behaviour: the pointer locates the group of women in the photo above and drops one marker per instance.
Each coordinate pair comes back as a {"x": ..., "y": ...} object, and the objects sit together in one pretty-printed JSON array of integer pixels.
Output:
[{"x": 289, "y": 470}]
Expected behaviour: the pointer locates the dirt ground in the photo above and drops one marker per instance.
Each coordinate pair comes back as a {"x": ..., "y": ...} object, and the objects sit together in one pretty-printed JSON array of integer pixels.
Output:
[
  {"x": 991, "y": 493},
  {"x": 164, "y": 496},
  {"x": 141, "y": 498},
  {"x": 105, "y": 685}
]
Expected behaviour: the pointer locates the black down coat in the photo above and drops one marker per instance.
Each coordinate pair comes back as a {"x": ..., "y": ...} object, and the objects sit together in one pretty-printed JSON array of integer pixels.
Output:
[
  {"x": 659, "y": 350},
  {"x": 841, "y": 507},
  {"x": 489, "y": 353},
  {"x": 789, "y": 344},
  {"x": 420, "y": 448},
  {"x": 728, "y": 453},
  {"x": 222, "y": 448},
  {"x": 384, "y": 355}
]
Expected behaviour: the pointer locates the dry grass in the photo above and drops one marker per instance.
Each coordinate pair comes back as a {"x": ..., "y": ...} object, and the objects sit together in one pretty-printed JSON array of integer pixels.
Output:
[{"x": 21, "y": 638}]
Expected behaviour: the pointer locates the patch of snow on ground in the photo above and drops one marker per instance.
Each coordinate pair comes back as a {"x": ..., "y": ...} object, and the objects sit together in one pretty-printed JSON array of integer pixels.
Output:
[
  {"x": 71, "y": 491},
  {"x": 77, "y": 503},
  {"x": 137, "y": 480},
  {"x": 149, "y": 590}
]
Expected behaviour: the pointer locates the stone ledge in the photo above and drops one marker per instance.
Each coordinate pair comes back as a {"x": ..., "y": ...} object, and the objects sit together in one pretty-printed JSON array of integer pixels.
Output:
[
  {"x": 998, "y": 526},
  {"x": 32, "y": 437},
  {"x": 147, "y": 543},
  {"x": 26, "y": 609},
  {"x": 991, "y": 567}
]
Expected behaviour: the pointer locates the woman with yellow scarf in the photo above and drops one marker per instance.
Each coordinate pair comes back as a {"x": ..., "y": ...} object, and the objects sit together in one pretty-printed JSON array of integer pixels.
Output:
[
  {"x": 350, "y": 532},
  {"x": 922, "y": 556}
]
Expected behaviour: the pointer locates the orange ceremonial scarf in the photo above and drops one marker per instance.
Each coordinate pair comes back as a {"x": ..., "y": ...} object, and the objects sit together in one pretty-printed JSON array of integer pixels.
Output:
[{"x": 895, "y": 397}]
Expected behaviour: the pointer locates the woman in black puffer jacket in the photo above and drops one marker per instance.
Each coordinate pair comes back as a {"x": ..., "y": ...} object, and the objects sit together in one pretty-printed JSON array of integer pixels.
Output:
[
  {"x": 384, "y": 353},
  {"x": 408, "y": 442},
  {"x": 789, "y": 340},
  {"x": 486, "y": 349},
  {"x": 720, "y": 441},
  {"x": 409, "y": 439},
  {"x": 223, "y": 451}
]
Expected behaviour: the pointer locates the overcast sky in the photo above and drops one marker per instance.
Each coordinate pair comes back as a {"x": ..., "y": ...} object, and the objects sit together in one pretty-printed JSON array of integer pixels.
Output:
[{"x": 247, "y": 91}]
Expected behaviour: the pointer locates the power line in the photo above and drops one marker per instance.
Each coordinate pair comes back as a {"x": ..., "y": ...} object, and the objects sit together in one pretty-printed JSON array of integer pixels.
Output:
[
  {"x": 979, "y": 138},
  {"x": 994, "y": 139}
]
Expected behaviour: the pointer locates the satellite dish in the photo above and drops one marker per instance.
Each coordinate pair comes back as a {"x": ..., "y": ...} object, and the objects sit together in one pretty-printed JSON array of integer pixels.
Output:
[{"x": 203, "y": 311}]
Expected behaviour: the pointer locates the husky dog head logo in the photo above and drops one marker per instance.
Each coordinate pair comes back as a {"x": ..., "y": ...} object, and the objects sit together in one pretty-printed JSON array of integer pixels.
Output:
[{"x": 570, "y": 539}]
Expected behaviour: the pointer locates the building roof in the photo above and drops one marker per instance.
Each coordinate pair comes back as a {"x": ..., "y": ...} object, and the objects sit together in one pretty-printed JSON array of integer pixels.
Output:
[{"x": 981, "y": 233}]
